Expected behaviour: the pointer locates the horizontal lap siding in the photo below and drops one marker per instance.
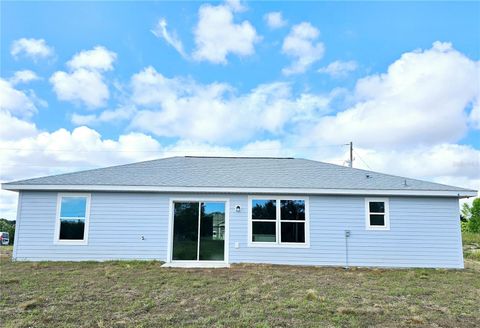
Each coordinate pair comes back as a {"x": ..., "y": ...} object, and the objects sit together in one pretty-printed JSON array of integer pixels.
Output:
[
  {"x": 424, "y": 232},
  {"x": 117, "y": 223}
]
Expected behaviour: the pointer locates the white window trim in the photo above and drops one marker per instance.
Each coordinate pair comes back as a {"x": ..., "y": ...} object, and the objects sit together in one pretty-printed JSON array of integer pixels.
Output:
[
  {"x": 386, "y": 214},
  {"x": 278, "y": 221},
  {"x": 56, "y": 237}
]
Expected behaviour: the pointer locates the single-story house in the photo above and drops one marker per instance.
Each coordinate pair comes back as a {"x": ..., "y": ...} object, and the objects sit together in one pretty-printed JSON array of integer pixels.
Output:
[{"x": 215, "y": 211}]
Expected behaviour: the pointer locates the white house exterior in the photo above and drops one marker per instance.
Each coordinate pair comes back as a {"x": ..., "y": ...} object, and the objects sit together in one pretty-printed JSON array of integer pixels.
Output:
[{"x": 215, "y": 211}]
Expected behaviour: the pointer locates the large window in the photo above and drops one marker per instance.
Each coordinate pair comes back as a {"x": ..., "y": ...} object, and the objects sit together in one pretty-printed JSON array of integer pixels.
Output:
[
  {"x": 72, "y": 218},
  {"x": 376, "y": 214},
  {"x": 278, "y": 221}
]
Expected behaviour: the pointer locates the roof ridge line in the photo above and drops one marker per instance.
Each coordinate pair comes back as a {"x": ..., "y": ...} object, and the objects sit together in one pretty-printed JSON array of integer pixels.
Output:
[{"x": 242, "y": 157}]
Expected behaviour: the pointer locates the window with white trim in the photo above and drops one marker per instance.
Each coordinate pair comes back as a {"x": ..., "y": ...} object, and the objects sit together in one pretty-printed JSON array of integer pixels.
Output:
[
  {"x": 72, "y": 218},
  {"x": 377, "y": 214},
  {"x": 278, "y": 221}
]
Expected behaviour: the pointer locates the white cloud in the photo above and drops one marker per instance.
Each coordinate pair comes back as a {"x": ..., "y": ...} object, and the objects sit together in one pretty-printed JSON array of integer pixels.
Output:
[
  {"x": 82, "y": 85},
  {"x": 217, "y": 35},
  {"x": 426, "y": 162},
  {"x": 183, "y": 108},
  {"x": 236, "y": 5},
  {"x": 24, "y": 76},
  {"x": 16, "y": 101},
  {"x": 98, "y": 58},
  {"x": 339, "y": 68},
  {"x": 107, "y": 116},
  {"x": 275, "y": 20},
  {"x": 32, "y": 48},
  {"x": 160, "y": 31},
  {"x": 420, "y": 100},
  {"x": 85, "y": 83},
  {"x": 15, "y": 128},
  {"x": 301, "y": 44}
]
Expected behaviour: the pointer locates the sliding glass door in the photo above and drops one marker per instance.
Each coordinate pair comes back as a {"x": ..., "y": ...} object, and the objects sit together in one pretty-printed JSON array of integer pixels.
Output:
[{"x": 198, "y": 231}]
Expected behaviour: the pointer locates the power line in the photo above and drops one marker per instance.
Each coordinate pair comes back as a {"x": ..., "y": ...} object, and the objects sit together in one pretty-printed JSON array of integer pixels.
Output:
[{"x": 356, "y": 153}]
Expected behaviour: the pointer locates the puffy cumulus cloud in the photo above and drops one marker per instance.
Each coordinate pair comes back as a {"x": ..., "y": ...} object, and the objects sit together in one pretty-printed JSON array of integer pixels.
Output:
[
  {"x": 217, "y": 35},
  {"x": 47, "y": 152},
  {"x": 160, "y": 31},
  {"x": 85, "y": 83},
  {"x": 183, "y": 108},
  {"x": 421, "y": 99},
  {"x": 24, "y": 76},
  {"x": 16, "y": 101},
  {"x": 301, "y": 44},
  {"x": 32, "y": 48},
  {"x": 274, "y": 19},
  {"x": 82, "y": 86},
  {"x": 339, "y": 68},
  {"x": 99, "y": 58}
]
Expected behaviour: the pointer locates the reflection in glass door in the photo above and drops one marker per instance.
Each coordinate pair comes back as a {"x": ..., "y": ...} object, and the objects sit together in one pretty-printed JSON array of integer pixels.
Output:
[
  {"x": 199, "y": 231},
  {"x": 185, "y": 231}
]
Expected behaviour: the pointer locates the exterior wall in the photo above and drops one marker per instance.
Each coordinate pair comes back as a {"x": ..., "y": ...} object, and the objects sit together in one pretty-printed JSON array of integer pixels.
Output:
[
  {"x": 117, "y": 223},
  {"x": 424, "y": 232}
]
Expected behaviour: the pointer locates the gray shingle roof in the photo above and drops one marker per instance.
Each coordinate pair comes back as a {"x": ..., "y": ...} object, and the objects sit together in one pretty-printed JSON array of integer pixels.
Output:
[{"x": 237, "y": 172}]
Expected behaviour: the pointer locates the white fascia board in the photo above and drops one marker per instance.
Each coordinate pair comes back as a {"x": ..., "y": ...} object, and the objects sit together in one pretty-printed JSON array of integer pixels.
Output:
[{"x": 242, "y": 190}]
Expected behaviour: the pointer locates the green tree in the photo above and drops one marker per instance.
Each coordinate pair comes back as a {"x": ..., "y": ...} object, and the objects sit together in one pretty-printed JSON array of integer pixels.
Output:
[{"x": 473, "y": 223}]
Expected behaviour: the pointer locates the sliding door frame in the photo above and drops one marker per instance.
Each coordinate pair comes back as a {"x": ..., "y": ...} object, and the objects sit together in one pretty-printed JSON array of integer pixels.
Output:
[{"x": 171, "y": 214}]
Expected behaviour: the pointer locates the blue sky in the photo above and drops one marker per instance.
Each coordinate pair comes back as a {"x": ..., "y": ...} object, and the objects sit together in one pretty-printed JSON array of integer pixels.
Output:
[{"x": 99, "y": 87}]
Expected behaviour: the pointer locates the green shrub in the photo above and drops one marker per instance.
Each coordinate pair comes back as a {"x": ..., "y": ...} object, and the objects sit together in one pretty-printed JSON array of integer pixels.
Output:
[{"x": 471, "y": 215}]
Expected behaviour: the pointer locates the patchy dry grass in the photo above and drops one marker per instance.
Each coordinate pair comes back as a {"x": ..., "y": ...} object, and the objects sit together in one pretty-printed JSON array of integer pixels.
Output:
[
  {"x": 471, "y": 246},
  {"x": 142, "y": 294}
]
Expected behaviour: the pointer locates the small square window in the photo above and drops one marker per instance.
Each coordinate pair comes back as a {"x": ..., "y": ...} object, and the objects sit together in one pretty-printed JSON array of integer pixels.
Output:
[{"x": 376, "y": 214}]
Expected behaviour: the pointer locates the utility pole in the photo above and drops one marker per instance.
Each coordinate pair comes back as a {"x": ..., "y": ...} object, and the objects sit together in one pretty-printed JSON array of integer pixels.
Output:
[{"x": 351, "y": 154}]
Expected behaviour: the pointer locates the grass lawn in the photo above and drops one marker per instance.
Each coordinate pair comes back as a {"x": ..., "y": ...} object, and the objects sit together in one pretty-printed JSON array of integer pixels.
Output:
[{"x": 142, "y": 294}]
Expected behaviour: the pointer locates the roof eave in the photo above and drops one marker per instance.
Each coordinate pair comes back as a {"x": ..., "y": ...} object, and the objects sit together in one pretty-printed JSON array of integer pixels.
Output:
[{"x": 303, "y": 191}]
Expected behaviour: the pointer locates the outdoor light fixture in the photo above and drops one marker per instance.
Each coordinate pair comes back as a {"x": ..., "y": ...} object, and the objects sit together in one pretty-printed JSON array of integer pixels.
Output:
[{"x": 237, "y": 208}]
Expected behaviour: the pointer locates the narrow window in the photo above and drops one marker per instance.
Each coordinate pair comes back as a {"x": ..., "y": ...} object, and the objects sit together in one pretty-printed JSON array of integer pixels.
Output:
[
  {"x": 264, "y": 220},
  {"x": 72, "y": 220},
  {"x": 292, "y": 215},
  {"x": 377, "y": 217}
]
